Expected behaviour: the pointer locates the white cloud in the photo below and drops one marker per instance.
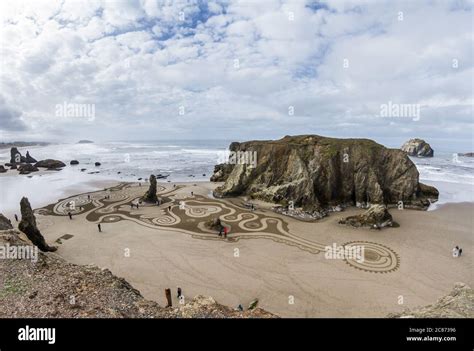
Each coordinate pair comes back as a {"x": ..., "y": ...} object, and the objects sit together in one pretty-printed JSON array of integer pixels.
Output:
[{"x": 237, "y": 64}]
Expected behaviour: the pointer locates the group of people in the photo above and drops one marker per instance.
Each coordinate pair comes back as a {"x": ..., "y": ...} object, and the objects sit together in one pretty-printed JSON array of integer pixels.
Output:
[
  {"x": 223, "y": 230},
  {"x": 457, "y": 251}
]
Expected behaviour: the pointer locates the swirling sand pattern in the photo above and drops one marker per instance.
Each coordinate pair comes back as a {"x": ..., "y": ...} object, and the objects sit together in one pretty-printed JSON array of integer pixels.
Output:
[{"x": 188, "y": 215}]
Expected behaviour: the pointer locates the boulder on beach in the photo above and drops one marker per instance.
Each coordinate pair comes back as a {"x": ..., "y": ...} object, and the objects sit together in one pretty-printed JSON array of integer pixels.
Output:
[
  {"x": 97, "y": 164},
  {"x": 2, "y": 169},
  {"x": 5, "y": 223},
  {"x": 74, "y": 162},
  {"x": 28, "y": 226},
  {"x": 150, "y": 195},
  {"x": 29, "y": 159},
  {"x": 316, "y": 173},
  {"x": 27, "y": 168},
  {"x": 418, "y": 148},
  {"x": 50, "y": 164},
  {"x": 376, "y": 217}
]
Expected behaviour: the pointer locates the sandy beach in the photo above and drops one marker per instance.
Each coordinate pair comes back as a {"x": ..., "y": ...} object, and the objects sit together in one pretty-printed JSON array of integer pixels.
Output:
[{"x": 274, "y": 258}]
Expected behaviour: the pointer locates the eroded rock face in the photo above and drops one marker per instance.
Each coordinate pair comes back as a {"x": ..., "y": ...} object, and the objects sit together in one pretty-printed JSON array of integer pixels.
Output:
[
  {"x": 315, "y": 172},
  {"x": 376, "y": 217},
  {"x": 457, "y": 304},
  {"x": 28, "y": 226},
  {"x": 15, "y": 156},
  {"x": 150, "y": 195},
  {"x": 221, "y": 172},
  {"x": 418, "y": 148},
  {"x": 50, "y": 164},
  {"x": 5, "y": 223}
]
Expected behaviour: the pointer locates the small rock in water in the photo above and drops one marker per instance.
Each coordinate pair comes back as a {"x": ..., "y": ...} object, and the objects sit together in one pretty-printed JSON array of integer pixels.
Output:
[{"x": 97, "y": 163}]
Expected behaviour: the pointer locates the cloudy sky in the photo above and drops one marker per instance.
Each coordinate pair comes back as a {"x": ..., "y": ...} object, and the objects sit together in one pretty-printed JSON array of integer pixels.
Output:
[{"x": 235, "y": 69}]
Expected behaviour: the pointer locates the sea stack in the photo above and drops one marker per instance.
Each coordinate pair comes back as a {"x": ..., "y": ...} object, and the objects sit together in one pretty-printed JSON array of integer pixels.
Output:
[
  {"x": 316, "y": 173},
  {"x": 418, "y": 148},
  {"x": 28, "y": 226},
  {"x": 150, "y": 195}
]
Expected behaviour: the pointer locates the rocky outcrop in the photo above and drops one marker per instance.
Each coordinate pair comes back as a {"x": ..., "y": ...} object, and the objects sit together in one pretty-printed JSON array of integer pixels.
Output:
[
  {"x": 15, "y": 156},
  {"x": 28, "y": 226},
  {"x": 150, "y": 195},
  {"x": 467, "y": 154},
  {"x": 459, "y": 303},
  {"x": 418, "y": 148},
  {"x": 50, "y": 164},
  {"x": 29, "y": 159},
  {"x": 27, "y": 168},
  {"x": 43, "y": 289},
  {"x": 5, "y": 223},
  {"x": 221, "y": 172},
  {"x": 74, "y": 162},
  {"x": 313, "y": 173},
  {"x": 376, "y": 217},
  {"x": 97, "y": 164}
]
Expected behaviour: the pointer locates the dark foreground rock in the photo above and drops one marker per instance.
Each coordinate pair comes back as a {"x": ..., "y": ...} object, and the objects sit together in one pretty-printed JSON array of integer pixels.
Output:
[
  {"x": 418, "y": 148},
  {"x": 27, "y": 168},
  {"x": 5, "y": 223},
  {"x": 150, "y": 195},
  {"x": 30, "y": 159},
  {"x": 376, "y": 217},
  {"x": 50, "y": 164},
  {"x": 54, "y": 288},
  {"x": 28, "y": 226},
  {"x": 74, "y": 162},
  {"x": 3, "y": 169},
  {"x": 314, "y": 173},
  {"x": 459, "y": 303}
]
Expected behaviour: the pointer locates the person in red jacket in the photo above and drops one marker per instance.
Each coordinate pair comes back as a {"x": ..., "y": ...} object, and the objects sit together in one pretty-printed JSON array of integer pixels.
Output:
[{"x": 225, "y": 232}]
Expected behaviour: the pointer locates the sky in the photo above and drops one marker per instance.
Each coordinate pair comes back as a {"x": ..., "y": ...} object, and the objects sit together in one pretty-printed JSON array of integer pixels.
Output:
[{"x": 238, "y": 70}]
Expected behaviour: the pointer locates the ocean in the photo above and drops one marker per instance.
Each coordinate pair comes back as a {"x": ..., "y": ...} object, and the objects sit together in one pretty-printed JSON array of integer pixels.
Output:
[{"x": 180, "y": 161}]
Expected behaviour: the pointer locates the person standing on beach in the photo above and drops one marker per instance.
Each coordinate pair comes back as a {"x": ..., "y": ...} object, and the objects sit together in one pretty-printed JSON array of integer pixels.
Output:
[
  {"x": 225, "y": 232},
  {"x": 459, "y": 252},
  {"x": 100, "y": 228},
  {"x": 220, "y": 231},
  {"x": 70, "y": 215},
  {"x": 88, "y": 197},
  {"x": 16, "y": 217},
  {"x": 179, "y": 292}
]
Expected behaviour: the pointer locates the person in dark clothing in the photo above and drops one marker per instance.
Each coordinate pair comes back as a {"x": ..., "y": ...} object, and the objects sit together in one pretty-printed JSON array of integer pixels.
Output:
[
  {"x": 100, "y": 228},
  {"x": 220, "y": 231},
  {"x": 179, "y": 292},
  {"x": 16, "y": 217},
  {"x": 70, "y": 215},
  {"x": 460, "y": 252},
  {"x": 88, "y": 197},
  {"x": 169, "y": 208}
]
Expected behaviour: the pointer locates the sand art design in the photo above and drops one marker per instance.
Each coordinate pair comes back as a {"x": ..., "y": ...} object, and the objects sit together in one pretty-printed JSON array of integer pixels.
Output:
[{"x": 188, "y": 215}]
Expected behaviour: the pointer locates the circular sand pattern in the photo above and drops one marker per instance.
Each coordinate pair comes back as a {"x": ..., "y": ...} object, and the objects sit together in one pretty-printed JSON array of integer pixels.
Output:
[
  {"x": 201, "y": 211},
  {"x": 72, "y": 205},
  {"x": 377, "y": 257},
  {"x": 165, "y": 220},
  {"x": 111, "y": 219}
]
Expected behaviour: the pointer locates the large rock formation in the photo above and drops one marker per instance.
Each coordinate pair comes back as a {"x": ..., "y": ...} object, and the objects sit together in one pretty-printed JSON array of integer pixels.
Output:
[
  {"x": 459, "y": 303},
  {"x": 376, "y": 217},
  {"x": 28, "y": 226},
  {"x": 5, "y": 223},
  {"x": 50, "y": 164},
  {"x": 150, "y": 195},
  {"x": 418, "y": 148},
  {"x": 315, "y": 172},
  {"x": 221, "y": 172},
  {"x": 15, "y": 156}
]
